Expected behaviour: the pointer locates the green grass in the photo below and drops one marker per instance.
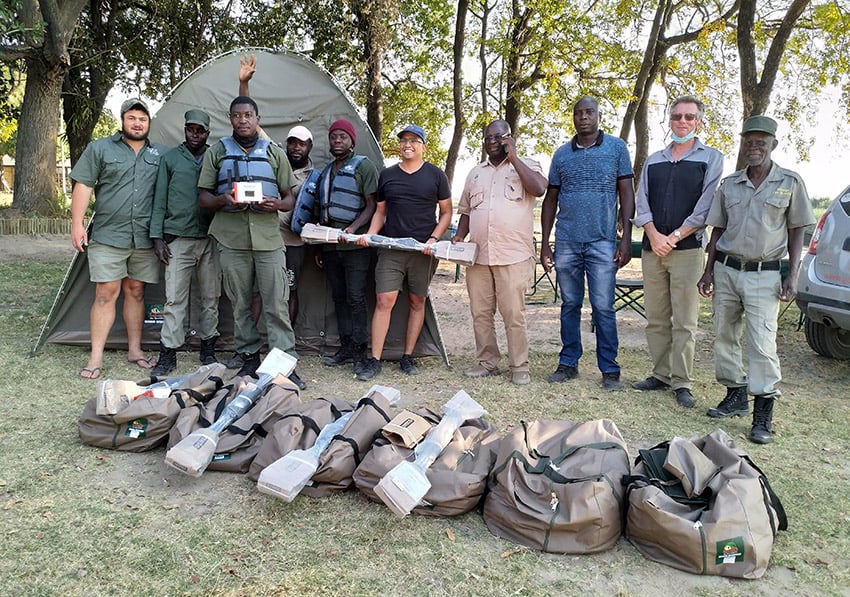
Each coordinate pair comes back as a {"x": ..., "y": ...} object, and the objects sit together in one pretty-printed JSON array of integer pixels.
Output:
[{"x": 83, "y": 521}]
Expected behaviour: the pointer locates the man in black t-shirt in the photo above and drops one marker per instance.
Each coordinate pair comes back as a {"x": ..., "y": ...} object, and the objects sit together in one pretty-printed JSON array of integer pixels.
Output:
[{"x": 408, "y": 194}]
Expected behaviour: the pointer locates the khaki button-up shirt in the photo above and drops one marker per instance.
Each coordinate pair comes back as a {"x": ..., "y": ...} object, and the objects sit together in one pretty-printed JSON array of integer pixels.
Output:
[
  {"x": 757, "y": 220},
  {"x": 501, "y": 213}
]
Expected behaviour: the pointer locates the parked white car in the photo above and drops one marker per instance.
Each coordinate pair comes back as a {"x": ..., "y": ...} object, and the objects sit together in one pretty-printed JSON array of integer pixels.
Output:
[{"x": 823, "y": 287}]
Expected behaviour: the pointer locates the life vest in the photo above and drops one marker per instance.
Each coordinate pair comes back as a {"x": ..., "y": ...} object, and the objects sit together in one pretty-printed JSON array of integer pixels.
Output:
[
  {"x": 340, "y": 201},
  {"x": 238, "y": 166},
  {"x": 302, "y": 213}
]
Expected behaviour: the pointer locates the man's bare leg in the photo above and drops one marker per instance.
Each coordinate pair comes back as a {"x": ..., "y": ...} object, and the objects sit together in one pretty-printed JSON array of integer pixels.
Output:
[
  {"x": 134, "y": 315},
  {"x": 384, "y": 303},
  {"x": 415, "y": 321},
  {"x": 101, "y": 318}
]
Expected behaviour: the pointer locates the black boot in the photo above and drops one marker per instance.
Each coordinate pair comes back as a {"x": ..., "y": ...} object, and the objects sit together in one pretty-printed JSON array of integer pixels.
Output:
[
  {"x": 762, "y": 433},
  {"x": 344, "y": 355},
  {"x": 250, "y": 364},
  {"x": 207, "y": 355},
  {"x": 736, "y": 404},
  {"x": 167, "y": 361},
  {"x": 361, "y": 355}
]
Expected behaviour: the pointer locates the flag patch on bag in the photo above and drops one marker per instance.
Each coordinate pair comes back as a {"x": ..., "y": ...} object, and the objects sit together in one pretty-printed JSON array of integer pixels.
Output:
[
  {"x": 137, "y": 428},
  {"x": 730, "y": 551}
]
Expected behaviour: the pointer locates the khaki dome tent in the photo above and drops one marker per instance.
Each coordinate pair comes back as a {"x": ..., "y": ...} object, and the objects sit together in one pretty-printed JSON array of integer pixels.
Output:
[{"x": 290, "y": 89}]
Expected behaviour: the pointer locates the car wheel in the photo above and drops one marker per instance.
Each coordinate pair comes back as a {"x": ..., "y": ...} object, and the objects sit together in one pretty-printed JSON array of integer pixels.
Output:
[{"x": 830, "y": 342}]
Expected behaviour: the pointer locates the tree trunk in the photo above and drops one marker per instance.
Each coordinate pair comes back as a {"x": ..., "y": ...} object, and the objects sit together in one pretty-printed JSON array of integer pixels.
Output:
[
  {"x": 457, "y": 89},
  {"x": 38, "y": 129}
]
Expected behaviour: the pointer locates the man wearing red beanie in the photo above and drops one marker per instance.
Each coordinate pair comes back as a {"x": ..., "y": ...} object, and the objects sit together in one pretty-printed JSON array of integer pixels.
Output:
[{"x": 346, "y": 200}]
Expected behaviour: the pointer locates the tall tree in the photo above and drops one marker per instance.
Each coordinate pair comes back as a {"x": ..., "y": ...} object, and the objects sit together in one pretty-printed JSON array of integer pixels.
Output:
[
  {"x": 45, "y": 31},
  {"x": 457, "y": 88}
]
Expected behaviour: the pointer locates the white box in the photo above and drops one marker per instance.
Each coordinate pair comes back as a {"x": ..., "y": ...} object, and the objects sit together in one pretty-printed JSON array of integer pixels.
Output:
[{"x": 248, "y": 192}]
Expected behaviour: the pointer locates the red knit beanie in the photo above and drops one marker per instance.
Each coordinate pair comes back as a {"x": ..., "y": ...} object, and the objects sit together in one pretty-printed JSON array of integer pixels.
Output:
[{"x": 345, "y": 126}]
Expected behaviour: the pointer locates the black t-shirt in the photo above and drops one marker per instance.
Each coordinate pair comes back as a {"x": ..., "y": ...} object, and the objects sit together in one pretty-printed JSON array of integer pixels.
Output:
[{"x": 412, "y": 200}]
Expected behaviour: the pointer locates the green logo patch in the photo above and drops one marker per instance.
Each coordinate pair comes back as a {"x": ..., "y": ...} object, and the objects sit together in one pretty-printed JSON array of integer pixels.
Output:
[
  {"x": 137, "y": 428},
  {"x": 730, "y": 551}
]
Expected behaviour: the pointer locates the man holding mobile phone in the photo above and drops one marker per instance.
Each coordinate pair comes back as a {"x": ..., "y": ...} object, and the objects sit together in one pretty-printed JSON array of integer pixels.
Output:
[{"x": 497, "y": 212}]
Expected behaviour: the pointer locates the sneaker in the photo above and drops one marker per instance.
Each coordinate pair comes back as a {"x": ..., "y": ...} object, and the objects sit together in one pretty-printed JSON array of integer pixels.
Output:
[
  {"x": 369, "y": 369},
  {"x": 343, "y": 356},
  {"x": 236, "y": 361},
  {"x": 481, "y": 371},
  {"x": 736, "y": 404},
  {"x": 611, "y": 381},
  {"x": 293, "y": 377},
  {"x": 520, "y": 378},
  {"x": 563, "y": 373},
  {"x": 406, "y": 365},
  {"x": 684, "y": 397},
  {"x": 651, "y": 383}
]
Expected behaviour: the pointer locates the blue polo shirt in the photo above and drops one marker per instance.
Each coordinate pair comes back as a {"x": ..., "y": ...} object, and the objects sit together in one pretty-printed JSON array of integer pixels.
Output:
[{"x": 586, "y": 179}]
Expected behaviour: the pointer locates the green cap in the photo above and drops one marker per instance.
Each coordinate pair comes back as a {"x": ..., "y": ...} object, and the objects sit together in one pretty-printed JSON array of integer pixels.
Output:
[
  {"x": 759, "y": 124},
  {"x": 198, "y": 117},
  {"x": 134, "y": 103}
]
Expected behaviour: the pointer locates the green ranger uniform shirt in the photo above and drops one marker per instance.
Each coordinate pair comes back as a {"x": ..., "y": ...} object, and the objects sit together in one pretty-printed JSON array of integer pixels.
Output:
[
  {"x": 176, "y": 209},
  {"x": 757, "y": 220},
  {"x": 123, "y": 183},
  {"x": 246, "y": 230}
]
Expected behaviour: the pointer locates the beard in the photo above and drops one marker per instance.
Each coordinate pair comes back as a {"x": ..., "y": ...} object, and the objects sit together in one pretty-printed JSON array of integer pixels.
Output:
[{"x": 134, "y": 136}]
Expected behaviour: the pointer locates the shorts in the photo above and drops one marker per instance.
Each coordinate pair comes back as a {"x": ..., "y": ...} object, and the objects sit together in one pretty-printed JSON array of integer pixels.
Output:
[
  {"x": 110, "y": 264},
  {"x": 394, "y": 266}
]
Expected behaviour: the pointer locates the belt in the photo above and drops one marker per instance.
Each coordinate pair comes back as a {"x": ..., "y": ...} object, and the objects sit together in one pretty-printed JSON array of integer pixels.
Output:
[{"x": 747, "y": 266}]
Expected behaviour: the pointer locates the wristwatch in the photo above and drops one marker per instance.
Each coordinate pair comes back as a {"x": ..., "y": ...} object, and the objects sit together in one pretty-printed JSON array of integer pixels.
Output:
[{"x": 677, "y": 234}]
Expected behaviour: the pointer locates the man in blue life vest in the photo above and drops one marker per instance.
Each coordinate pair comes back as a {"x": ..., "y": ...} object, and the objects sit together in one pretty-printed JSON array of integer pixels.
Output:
[{"x": 249, "y": 241}]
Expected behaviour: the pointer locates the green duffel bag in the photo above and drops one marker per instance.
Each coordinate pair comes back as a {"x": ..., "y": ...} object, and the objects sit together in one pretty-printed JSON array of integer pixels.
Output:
[
  {"x": 557, "y": 486},
  {"x": 702, "y": 505}
]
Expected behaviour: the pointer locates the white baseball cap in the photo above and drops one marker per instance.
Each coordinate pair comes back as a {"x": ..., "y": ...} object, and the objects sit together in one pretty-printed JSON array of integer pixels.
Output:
[{"x": 301, "y": 133}]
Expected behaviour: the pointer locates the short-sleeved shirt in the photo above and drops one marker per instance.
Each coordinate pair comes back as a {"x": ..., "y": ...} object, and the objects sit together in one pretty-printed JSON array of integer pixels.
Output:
[
  {"x": 175, "y": 202},
  {"x": 757, "y": 220},
  {"x": 248, "y": 229},
  {"x": 586, "y": 179},
  {"x": 123, "y": 183},
  {"x": 674, "y": 193},
  {"x": 290, "y": 239},
  {"x": 500, "y": 211},
  {"x": 412, "y": 199}
]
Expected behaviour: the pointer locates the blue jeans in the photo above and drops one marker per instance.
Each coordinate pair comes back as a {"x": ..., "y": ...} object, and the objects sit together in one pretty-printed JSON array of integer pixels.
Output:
[{"x": 572, "y": 262}]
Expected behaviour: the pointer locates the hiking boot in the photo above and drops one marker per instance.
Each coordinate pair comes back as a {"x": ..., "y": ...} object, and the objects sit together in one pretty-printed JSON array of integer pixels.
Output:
[
  {"x": 236, "y": 361},
  {"x": 611, "y": 381},
  {"x": 685, "y": 398},
  {"x": 651, "y": 383},
  {"x": 207, "y": 353},
  {"x": 369, "y": 369},
  {"x": 406, "y": 365},
  {"x": 250, "y": 364},
  {"x": 521, "y": 378},
  {"x": 761, "y": 432},
  {"x": 735, "y": 404},
  {"x": 293, "y": 377},
  {"x": 344, "y": 355},
  {"x": 481, "y": 371},
  {"x": 361, "y": 355},
  {"x": 166, "y": 363},
  {"x": 563, "y": 373}
]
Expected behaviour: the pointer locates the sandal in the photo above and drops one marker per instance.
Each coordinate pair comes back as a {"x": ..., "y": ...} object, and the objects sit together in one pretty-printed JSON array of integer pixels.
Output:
[
  {"x": 93, "y": 373},
  {"x": 143, "y": 362}
]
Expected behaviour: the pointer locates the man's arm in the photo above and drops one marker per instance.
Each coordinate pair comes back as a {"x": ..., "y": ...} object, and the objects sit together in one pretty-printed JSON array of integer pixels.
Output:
[
  {"x": 379, "y": 216},
  {"x": 795, "y": 250},
  {"x": 533, "y": 183},
  {"x": 547, "y": 219},
  {"x": 444, "y": 221},
  {"x": 247, "y": 68},
  {"x": 80, "y": 197},
  {"x": 158, "y": 209},
  {"x": 626, "y": 191},
  {"x": 705, "y": 284}
]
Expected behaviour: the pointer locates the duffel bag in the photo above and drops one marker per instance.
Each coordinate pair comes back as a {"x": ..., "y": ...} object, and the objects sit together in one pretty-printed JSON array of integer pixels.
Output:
[
  {"x": 144, "y": 423},
  {"x": 240, "y": 442},
  {"x": 556, "y": 486},
  {"x": 702, "y": 505},
  {"x": 458, "y": 476}
]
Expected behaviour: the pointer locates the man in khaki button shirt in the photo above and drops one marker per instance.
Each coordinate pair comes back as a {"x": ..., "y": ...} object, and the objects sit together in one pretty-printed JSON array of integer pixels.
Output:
[
  {"x": 757, "y": 215},
  {"x": 497, "y": 212}
]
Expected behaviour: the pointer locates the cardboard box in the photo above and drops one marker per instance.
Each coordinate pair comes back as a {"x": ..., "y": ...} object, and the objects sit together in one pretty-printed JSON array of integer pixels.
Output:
[{"x": 248, "y": 192}]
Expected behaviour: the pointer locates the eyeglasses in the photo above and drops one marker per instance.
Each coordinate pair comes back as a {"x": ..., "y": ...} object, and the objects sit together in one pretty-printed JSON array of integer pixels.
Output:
[
  {"x": 409, "y": 141},
  {"x": 688, "y": 117},
  {"x": 491, "y": 138}
]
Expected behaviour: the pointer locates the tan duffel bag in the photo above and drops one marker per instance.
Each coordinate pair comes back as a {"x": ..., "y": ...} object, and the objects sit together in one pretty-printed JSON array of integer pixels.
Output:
[
  {"x": 557, "y": 486},
  {"x": 702, "y": 506},
  {"x": 240, "y": 442},
  {"x": 297, "y": 430},
  {"x": 144, "y": 424},
  {"x": 347, "y": 449},
  {"x": 458, "y": 476}
]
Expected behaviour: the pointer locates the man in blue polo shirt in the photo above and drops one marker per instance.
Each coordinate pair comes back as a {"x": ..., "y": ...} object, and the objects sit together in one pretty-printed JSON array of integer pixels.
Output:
[{"x": 587, "y": 177}]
